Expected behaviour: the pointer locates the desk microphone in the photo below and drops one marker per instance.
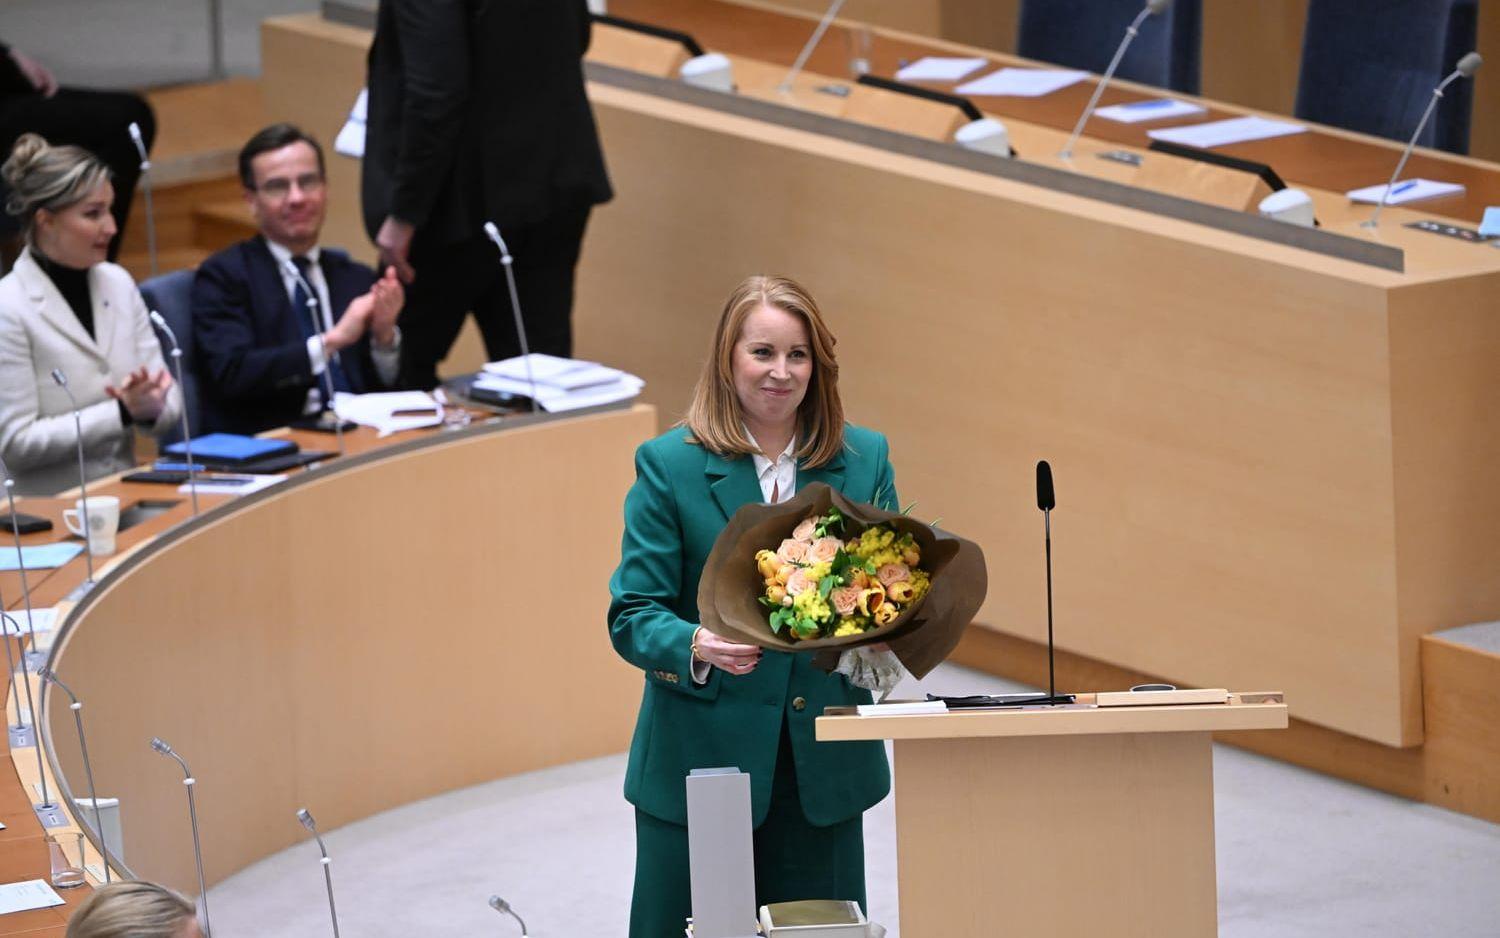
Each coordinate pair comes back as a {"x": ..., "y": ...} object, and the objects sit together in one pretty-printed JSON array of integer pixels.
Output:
[
  {"x": 305, "y": 817},
  {"x": 503, "y": 907},
  {"x": 328, "y": 359},
  {"x": 160, "y": 745},
  {"x": 47, "y": 809},
  {"x": 1466, "y": 68},
  {"x": 812, "y": 43},
  {"x": 83, "y": 479},
  {"x": 1152, "y": 8},
  {"x": 493, "y": 233},
  {"x": 1046, "y": 500},
  {"x": 48, "y": 675},
  {"x": 140, "y": 148},
  {"x": 160, "y": 322}
]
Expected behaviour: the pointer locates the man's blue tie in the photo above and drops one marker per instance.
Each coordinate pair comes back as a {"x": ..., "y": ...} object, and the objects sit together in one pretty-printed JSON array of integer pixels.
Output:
[{"x": 309, "y": 313}]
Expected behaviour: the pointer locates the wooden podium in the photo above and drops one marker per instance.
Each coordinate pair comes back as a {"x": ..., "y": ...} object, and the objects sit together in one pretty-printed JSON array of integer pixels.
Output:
[{"x": 1060, "y": 822}]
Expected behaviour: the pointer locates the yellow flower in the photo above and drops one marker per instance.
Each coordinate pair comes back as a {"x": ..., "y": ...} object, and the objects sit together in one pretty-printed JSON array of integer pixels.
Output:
[
  {"x": 886, "y": 614},
  {"x": 903, "y": 592},
  {"x": 809, "y": 604},
  {"x": 776, "y": 594},
  {"x": 767, "y": 563},
  {"x": 847, "y": 628}
]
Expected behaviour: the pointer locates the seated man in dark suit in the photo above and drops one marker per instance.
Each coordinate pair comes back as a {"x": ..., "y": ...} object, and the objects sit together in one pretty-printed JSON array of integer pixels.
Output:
[{"x": 271, "y": 314}]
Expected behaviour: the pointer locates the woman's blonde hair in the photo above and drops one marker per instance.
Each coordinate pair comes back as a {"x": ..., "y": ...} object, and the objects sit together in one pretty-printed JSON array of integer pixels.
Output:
[
  {"x": 131, "y": 910},
  {"x": 714, "y": 417},
  {"x": 41, "y": 176}
]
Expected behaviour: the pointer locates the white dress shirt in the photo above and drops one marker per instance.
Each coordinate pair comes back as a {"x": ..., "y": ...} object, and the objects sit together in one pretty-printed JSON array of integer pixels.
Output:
[{"x": 387, "y": 359}]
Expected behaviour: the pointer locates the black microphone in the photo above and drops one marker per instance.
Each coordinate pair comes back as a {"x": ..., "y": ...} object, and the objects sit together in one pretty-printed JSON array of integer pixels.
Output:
[
  {"x": 160, "y": 322},
  {"x": 190, "y": 783},
  {"x": 1046, "y": 500},
  {"x": 1465, "y": 68},
  {"x": 493, "y": 233},
  {"x": 305, "y": 818},
  {"x": 314, "y": 304},
  {"x": 140, "y": 148},
  {"x": 503, "y": 907},
  {"x": 61, "y": 380},
  {"x": 48, "y": 675},
  {"x": 1152, "y": 8}
]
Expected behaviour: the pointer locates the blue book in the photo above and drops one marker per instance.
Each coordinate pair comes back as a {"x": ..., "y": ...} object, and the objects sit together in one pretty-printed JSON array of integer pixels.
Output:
[{"x": 232, "y": 448}]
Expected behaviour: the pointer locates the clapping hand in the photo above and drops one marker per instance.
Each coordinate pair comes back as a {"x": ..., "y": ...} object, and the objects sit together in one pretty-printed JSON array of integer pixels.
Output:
[
  {"x": 39, "y": 75},
  {"x": 143, "y": 394},
  {"x": 387, "y": 298}
]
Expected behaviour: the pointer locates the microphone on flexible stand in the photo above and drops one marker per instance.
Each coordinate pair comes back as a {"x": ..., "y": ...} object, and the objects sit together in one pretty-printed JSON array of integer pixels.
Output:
[
  {"x": 83, "y": 480},
  {"x": 812, "y": 43},
  {"x": 305, "y": 817},
  {"x": 493, "y": 233},
  {"x": 140, "y": 147},
  {"x": 503, "y": 907},
  {"x": 329, "y": 359},
  {"x": 47, "y": 674},
  {"x": 160, "y": 322},
  {"x": 1466, "y": 68},
  {"x": 1046, "y": 500},
  {"x": 1152, "y": 8},
  {"x": 159, "y": 745},
  {"x": 15, "y": 533}
]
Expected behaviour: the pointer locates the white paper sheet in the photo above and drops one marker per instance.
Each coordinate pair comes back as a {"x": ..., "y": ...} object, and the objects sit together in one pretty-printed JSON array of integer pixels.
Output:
[
  {"x": 1224, "y": 132},
  {"x": 383, "y": 412},
  {"x": 231, "y": 485},
  {"x": 1406, "y": 190},
  {"x": 939, "y": 68},
  {"x": 556, "y": 400},
  {"x": 351, "y": 138},
  {"x": 1154, "y": 110},
  {"x": 27, "y": 895},
  {"x": 42, "y": 620},
  {"x": 1023, "y": 82},
  {"x": 568, "y": 374}
]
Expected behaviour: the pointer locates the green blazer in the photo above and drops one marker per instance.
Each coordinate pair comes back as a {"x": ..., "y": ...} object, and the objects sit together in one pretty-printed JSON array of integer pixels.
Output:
[{"x": 682, "y": 498}]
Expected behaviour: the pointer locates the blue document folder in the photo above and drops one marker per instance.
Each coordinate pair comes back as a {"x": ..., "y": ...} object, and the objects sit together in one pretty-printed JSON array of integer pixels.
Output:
[{"x": 232, "y": 448}]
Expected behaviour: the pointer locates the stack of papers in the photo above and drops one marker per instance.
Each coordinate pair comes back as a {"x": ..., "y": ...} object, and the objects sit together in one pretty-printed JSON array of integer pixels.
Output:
[
  {"x": 1409, "y": 190},
  {"x": 939, "y": 68},
  {"x": 1153, "y": 110},
  {"x": 390, "y": 412},
  {"x": 230, "y": 484},
  {"x": 561, "y": 384},
  {"x": 39, "y": 556},
  {"x": 1224, "y": 132},
  {"x": 1023, "y": 82},
  {"x": 27, "y": 895}
]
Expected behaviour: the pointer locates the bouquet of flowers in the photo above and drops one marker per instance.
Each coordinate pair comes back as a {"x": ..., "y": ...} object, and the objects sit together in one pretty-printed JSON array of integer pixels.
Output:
[{"x": 821, "y": 573}]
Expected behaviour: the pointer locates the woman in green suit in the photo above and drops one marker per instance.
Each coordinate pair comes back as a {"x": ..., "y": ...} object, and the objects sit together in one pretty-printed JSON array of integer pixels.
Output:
[{"x": 764, "y": 420}]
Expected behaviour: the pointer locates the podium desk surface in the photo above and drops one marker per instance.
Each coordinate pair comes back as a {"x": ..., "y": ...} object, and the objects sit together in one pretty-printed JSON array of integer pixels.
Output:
[{"x": 1079, "y": 719}]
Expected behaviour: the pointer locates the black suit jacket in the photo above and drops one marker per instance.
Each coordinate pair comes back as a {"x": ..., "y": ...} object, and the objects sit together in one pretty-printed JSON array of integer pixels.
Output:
[
  {"x": 477, "y": 113},
  {"x": 253, "y": 368}
]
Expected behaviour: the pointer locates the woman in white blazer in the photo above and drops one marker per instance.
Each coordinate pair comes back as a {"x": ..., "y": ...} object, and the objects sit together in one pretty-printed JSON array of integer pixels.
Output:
[{"x": 64, "y": 307}]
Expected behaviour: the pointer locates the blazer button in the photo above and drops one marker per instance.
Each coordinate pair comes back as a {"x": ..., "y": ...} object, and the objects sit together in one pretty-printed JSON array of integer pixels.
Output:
[{"x": 799, "y": 703}]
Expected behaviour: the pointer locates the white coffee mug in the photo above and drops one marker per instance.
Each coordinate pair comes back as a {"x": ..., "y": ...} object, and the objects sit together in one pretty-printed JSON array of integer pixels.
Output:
[
  {"x": 712, "y": 70},
  {"x": 104, "y": 522}
]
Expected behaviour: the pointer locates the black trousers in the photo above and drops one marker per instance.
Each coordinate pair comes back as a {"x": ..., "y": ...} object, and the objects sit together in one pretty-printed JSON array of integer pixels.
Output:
[
  {"x": 98, "y": 121},
  {"x": 453, "y": 280}
]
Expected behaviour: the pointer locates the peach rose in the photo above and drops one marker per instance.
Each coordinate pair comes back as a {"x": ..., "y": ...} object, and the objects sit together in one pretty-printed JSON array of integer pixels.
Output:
[
  {"x": 784, "y": 573},
  {"x": 902, "y": 592},
  {"x": 823, "y": 549},
  {"x": 845, "y": 600},
  {"x": 792, "y": 551},
  {"x": 893, "y": 573},
  {"x": 804, "y": 531},
  {"x": 798, "y": 583},
  {"x": 910, "y": 557}
]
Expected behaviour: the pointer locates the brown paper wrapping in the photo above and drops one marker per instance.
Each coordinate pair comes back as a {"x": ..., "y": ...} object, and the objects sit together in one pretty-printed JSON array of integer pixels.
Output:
[{"x": 921, "y": 637}]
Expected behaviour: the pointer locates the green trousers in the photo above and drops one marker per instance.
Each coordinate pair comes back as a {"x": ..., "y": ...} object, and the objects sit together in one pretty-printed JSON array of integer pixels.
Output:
[{"x": 793, "y": 859}]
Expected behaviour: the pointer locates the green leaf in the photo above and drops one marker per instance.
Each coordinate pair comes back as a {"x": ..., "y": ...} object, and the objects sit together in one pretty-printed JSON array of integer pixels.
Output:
[
  {"x": 825, "y": 587},
  {"x": 766, "y": 601},
  {"x": 870, "y": 567}
]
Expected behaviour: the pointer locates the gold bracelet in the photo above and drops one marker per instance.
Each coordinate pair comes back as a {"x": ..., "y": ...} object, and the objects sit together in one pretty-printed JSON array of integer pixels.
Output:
[{"x": 693, "y": 646}]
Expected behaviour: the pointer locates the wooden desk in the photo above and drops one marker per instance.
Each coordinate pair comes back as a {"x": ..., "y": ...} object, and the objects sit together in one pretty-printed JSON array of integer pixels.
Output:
[
  {"x": 361, "y": 636},
  {"x": 1057, "y": 822},
  {"x": 1265, "y": 474}
]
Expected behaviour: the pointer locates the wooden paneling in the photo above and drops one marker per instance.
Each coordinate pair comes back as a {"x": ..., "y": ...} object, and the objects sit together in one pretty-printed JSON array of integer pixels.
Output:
[
  {"x": 1461, "y": 690},
  {"x": 379, "y": 635}
]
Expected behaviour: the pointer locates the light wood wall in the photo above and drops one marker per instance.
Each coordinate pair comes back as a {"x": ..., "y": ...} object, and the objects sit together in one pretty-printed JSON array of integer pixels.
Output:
[{"x": 388, "y": 632}]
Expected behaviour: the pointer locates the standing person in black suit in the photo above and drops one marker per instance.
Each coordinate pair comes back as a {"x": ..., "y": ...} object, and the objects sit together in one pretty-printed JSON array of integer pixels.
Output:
[
  {"x": 261, "y": 356},
  {"x": 477, "y": 113},
  {"x": 32, "y": 101}
]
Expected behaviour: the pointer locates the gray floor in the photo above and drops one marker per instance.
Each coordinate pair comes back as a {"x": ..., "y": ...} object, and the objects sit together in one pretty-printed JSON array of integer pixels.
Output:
[
  {"x": 138, "y": 43},
  {"x": 1299, "y": 855}
]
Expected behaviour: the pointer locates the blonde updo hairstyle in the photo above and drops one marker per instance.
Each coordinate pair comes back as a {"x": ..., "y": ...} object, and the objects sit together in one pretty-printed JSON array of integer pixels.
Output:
[
  {"x": 42, "y": 176},
  {"x": 132, "y": 910}
]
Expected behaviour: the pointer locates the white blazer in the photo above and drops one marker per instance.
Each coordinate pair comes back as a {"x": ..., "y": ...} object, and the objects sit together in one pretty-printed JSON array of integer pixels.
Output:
[{"x": 39, "y": 332}]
